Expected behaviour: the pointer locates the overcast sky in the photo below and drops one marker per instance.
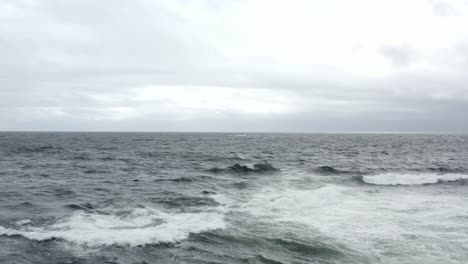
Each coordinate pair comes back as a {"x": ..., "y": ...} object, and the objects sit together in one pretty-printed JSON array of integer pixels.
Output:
[{"x": 289, "y": 66}]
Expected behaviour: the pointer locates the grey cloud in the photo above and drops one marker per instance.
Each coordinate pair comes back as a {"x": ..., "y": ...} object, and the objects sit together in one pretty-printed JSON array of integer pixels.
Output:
[
  {"x": 59, "y": 57},
  {"x": 55, "y": 39},
  {"x": 400, "y": 55},
  {"x": 443, "y": 8}
]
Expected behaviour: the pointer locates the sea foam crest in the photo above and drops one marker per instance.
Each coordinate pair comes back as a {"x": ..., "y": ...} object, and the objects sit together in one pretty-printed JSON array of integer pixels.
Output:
[
  {"x": 137, "y": 227},
  {"x": 412, "y": 179}
]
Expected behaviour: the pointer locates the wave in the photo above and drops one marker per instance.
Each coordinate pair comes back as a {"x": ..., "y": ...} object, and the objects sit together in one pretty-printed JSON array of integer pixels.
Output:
[
  {"x": 269, "y": 246},
  {"x": 185, "y": 179},
  {"x": 307, "y": 248},
  {"x": 244, "y": 169},
  {"x": 180, "y": 179},
  {"x": 264, "y": 259},
  {"x": 328, "y": 170},
  {"x": 85, "y": 207},
  {"x": 186, "y": 201},
  {"x": 446, "y": 170},
  {"x": 134, "y": 227},
  {"x": 96, "y": 171},
  {"x": 240, "y": 185},
  {"x": 232, "y": 157},
  {"x": 412, "y": 179},
  {"x": 63, "y": 192},
  {"x": 30, "y": 149}
]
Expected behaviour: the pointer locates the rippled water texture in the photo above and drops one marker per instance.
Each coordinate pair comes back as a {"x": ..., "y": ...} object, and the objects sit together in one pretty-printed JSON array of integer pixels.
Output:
[{"x": 233, "y": 198}]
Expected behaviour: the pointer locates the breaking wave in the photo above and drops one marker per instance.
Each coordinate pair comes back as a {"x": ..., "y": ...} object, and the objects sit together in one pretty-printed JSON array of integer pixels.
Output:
[
  {"x": 412, "y": 179},
  {"x": 134, "y": 227}
]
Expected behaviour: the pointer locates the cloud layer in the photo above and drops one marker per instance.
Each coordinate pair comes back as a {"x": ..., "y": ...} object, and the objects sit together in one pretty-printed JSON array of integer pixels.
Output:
[{"x": 293, "y": 66}]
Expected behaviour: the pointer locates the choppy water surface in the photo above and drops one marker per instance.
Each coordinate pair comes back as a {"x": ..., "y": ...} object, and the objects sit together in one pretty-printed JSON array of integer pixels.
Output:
[{"x": 233, "y": 198}]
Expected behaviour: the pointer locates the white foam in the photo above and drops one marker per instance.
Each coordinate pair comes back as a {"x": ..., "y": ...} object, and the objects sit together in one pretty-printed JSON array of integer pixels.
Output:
[
  {"x": 23, "y": 222},
  {"x": 224, "y": 201},
  {"x": 240, "y": 156},
  {"x": 293, "y": 202},
  {"x": 372, "y": 222},
  {"x": 412, "y": 179},
  {"x": 136, "y": 227}
]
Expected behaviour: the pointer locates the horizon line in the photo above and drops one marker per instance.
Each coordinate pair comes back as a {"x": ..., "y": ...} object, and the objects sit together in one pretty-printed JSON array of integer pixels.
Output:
[{"x": 234, "y": 132}]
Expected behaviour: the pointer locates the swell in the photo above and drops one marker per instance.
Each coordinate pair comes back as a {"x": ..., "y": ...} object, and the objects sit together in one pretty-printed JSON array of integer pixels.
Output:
[
  {"x": 44, "y": 148},
  {"x": 309, "y": 249},
  {"x": 186, "y": 179},
  {"x": 267, "y": 260},
  {"x": 446, "y": 170},
  {"x": 183, "y": 202},
  {"x": 274, "y": 246},
  {"x": 36, "y": 149},
  {"x": 84, "y": 207},
  {"x": 257, "y": 168},
  {"x": 329, "y": 170}
]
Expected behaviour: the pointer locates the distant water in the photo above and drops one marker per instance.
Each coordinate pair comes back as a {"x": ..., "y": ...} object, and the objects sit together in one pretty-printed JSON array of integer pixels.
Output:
[{"x": 233, "y": 198}]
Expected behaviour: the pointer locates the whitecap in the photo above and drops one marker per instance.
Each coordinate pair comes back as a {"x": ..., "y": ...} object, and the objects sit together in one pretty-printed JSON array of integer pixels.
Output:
[
  {"x": 135, "y": 227},
  {"x": 412, "y": 179}
]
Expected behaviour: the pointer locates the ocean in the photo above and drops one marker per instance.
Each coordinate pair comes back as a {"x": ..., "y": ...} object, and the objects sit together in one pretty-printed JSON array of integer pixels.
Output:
[{"x": 233, "y": 198}]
